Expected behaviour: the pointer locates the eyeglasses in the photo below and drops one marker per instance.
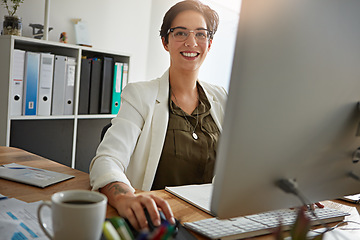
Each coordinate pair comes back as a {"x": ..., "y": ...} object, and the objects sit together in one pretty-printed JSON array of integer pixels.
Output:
[{"x": 180, "y": 34}]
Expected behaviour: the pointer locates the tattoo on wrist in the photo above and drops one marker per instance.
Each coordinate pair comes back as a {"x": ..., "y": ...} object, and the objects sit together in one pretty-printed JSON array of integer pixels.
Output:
[{"x": 117, "y": 189}]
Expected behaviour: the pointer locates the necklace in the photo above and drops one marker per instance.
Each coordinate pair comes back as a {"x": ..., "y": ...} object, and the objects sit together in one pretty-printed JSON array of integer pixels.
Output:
[{"x": 194, "y": 135}]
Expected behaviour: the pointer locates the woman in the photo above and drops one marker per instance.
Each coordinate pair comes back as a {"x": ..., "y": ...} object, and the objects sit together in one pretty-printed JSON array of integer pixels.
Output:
[{"x": 167, "y": 129}]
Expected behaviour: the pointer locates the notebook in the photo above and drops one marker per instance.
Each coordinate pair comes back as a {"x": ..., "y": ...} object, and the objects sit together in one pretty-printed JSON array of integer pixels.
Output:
[
  {"x": 32, "y": 176},
  {"x": 197, "y": 195}
]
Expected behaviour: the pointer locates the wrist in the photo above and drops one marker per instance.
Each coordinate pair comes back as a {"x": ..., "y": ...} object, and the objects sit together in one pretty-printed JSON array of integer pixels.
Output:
[{"x": 117, "y": 190}]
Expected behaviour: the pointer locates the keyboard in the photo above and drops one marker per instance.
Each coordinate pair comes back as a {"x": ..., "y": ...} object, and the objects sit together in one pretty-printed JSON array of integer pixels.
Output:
[{"x": 259, "y": 224}]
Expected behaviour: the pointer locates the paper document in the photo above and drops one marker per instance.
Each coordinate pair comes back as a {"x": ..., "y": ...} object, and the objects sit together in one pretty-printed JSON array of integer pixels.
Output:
[
  {"x": 197, "y": 195},
  {"x": 352, "y": 198},
  {"x": 335, "y": 234},
  {"x": 18, "y": 220},
  {"x": 32, "y": 176}
]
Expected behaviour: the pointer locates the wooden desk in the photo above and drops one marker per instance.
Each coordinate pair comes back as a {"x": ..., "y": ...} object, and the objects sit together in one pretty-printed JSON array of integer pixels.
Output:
[
  {"x": 29, "y": 193},
  {"x": 182, "y": 210}
]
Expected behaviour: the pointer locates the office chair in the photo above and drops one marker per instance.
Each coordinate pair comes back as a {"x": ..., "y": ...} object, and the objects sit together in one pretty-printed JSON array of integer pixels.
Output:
[{"x": 104, "y": 130}]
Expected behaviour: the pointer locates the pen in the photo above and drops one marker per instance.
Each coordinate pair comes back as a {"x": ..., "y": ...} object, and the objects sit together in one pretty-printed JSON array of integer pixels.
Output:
[
  {"x": 159, "y": 233},
  {"x": 142, "y": 236},
  {"x": 122, "y": 228},
  {"x": 110, "y": 232},
  {"x": 169, "y": 232}
]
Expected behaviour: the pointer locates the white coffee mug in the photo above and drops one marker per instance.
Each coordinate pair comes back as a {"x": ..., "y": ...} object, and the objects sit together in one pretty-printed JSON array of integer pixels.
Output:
[{"x": 76, "y": 214}]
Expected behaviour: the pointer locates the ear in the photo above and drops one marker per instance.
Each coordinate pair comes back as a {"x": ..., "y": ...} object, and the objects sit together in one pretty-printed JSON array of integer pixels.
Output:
[
  {"x": 209, "y": 45},
  {"x": 164, "y": 44}
]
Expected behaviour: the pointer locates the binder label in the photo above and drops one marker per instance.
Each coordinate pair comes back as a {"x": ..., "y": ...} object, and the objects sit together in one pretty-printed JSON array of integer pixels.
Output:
[
  {"x": 71, "y": 76},
  {"x": 31, "y": 105},
  {"x": 46, "y": 72},
  {"x": 118, "y": 78},
  {"x": 17, "y": 82}
]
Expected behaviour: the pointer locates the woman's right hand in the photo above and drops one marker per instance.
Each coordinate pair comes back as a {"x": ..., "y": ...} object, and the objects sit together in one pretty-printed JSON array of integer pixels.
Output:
[{"x": 131, "y": 206}]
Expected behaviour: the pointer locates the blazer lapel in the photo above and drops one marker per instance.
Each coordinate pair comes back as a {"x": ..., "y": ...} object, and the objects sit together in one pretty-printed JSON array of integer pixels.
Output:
[
  {"x": 158, "y": 130},
  {"x": 216, "y": 109}
]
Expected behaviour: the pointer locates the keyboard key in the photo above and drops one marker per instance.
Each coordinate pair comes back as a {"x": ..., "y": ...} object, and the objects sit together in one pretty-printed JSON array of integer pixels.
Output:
[{"x": 259, "y": 224}]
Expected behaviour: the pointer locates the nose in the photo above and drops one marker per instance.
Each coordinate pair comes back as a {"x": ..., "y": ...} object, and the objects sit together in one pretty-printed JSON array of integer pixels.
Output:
[{"x": 191, "y": 40}]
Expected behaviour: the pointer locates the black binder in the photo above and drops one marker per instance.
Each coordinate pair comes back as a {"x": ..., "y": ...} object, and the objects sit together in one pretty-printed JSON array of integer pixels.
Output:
[
  {"x": 84, "y": 92},
  {"x": 106, "y": 85},
  {"x": 95, "y": 84}
]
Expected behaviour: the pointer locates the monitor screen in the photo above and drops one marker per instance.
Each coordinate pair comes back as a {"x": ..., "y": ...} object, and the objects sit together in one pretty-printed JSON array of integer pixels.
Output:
[{"x": 292, "y": 112}]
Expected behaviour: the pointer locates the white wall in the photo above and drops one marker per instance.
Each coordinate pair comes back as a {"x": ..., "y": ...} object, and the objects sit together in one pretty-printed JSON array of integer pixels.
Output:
[
  {"x": 217, "y": 67},
  {"x": 132, "y": 27},
  {"x": 116, "y": 25}
]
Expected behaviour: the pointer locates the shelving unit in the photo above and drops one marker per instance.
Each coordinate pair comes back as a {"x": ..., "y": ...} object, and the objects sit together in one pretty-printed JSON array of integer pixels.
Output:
[{"x": 69, "y": 139}]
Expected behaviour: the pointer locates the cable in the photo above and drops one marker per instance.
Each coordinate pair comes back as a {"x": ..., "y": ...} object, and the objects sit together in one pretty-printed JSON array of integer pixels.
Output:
[
  {"x": 338, "y": 225},
  {"x": 290, "y": 186}
]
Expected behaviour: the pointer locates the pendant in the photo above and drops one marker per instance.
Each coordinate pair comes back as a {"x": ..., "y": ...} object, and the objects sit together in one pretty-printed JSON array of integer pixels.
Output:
[{"x": 195, "y": 136}]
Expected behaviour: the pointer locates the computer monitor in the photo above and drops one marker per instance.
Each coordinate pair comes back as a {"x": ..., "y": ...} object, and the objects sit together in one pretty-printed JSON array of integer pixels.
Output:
[{"x": 292, "y": 111}]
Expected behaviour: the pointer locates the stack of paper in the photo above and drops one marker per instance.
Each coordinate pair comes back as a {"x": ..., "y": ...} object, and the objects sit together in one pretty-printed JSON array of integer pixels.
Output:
[{"x": 18, "y": 219}]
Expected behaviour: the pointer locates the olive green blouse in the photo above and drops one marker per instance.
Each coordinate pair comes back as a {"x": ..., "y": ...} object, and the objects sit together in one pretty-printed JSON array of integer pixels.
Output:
[{"x": 185, "y": 160}]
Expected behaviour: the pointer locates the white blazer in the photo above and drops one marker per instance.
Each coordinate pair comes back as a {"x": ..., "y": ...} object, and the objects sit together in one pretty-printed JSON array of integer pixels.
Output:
[{"x": 132, "y": 146}]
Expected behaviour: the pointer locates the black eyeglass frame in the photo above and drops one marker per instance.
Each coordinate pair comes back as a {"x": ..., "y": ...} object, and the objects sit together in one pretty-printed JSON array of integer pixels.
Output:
[{"x": 209, "y": 32}]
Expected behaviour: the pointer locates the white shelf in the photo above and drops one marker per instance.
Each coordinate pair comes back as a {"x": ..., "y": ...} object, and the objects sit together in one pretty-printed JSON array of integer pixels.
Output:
[
  {"x": 39, "y": 42},
  {"x": 69, "y": 139},
  {"x": 96, "y": 116},
  {"x": 89, "y": 116},
  {"x": 41, "y": 117}
]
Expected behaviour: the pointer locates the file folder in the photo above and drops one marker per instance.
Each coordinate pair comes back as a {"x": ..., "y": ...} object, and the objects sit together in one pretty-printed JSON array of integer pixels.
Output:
[
  {"x": 125, "y": 75},
  {"x": 117, "y": 88},
  {"x": 45, "y": 83},
  {"x": 95, "y": 83},
  {"x": 17, "y": 80},
  {"x": 31, "y": 81},
  {"x": 33, "y": 176},
  {"x": 70, "y": 86},
  {"x": 59, "y": 85},
  {"x": 84, "y": 91},
  {"x": 106, "y": 85}
]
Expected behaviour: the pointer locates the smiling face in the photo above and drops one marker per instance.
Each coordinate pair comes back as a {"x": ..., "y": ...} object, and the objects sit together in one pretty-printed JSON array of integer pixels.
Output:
[{"x": 187, "y": 55}]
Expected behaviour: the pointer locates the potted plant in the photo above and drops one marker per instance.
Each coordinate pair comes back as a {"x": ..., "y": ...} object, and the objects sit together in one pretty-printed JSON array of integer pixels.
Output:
[{"x": 12, "y": 24}]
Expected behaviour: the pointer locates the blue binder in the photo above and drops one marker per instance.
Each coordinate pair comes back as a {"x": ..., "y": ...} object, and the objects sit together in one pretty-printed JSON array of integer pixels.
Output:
[{"x": 31, "y": 81}]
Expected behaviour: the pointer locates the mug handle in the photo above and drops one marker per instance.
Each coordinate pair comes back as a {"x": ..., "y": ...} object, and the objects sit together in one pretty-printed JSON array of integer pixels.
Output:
[{"x": 43, "y": 225}]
